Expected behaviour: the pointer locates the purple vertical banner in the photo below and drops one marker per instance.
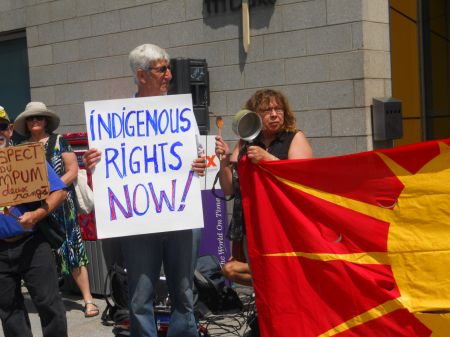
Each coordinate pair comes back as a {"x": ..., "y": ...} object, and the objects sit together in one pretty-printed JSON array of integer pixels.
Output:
[{"x": 214, "y": 241}]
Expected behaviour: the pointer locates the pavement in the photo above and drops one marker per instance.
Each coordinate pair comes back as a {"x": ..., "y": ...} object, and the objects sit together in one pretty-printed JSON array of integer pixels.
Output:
[{"x": 78, "y": 326}]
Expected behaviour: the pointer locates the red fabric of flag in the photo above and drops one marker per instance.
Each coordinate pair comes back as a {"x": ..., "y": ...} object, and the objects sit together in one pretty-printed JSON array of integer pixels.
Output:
[{"x": 301, "y": 296}]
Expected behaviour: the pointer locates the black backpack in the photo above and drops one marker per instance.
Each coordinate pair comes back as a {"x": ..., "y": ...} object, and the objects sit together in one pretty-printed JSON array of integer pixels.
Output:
[
  {"x": 116, "y": 313},
  {"x": 213, "y": 294}
]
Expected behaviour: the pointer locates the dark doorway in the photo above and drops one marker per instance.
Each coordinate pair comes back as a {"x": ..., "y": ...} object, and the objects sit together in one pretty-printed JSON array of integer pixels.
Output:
[
  {"x": 15, "y": 79},
  {"x": 435, "y": 29}
]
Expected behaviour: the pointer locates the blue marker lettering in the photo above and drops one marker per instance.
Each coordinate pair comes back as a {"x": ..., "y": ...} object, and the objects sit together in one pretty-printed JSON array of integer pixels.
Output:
[
  {"x": 153, "y": 159},
  {"x": 111, "y": 159},
  {"x": 140, "y": 123},
  {"x": 163, "y": 122},
  {"x": 147, "y": 198},
  {"x": 163, "y": 197},
  {"x": 114, "y": 201},
  {"x": 186, "y": 190},
  {"x": 152, "y": 121},
  {"x": 124, "y": 166},
  {"x": 163, "y": 157},
  {"x": 175, "y": 154},
  {"x": 116, "y": 123},
  {"x": 186, "y": 121},
  {"x": 91, "y": 124},
  {"x": 129, "y": 129},
  {"x": 135, "y": 166},
  {"x": 174, "y": 121},
  {"x": 106, "y": 126}
]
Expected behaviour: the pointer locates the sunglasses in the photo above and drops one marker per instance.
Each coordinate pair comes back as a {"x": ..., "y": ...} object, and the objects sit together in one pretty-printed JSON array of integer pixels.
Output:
[
  {"x": 161, "y": 70},
  {"x": 4, "y": 126},
  {"x": 35, "y": 118}
]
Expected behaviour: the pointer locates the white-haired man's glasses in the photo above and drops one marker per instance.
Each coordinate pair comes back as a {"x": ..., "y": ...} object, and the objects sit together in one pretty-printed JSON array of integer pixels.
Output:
[{"x": 161, "y": 70}]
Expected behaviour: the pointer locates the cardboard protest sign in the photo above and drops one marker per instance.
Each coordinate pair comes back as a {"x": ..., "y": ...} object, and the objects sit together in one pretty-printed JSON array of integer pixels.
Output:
[
  {"x": 144, "y": 183},
  {"x": 23, "y": 174}
]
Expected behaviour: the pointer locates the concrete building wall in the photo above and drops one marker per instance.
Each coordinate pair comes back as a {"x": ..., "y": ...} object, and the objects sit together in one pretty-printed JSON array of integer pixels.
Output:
[{"x": 330, "y": 57}]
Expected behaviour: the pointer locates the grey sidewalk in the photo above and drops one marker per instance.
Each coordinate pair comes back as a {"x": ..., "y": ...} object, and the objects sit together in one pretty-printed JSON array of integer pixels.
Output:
[{"x": 79, "y": 326}]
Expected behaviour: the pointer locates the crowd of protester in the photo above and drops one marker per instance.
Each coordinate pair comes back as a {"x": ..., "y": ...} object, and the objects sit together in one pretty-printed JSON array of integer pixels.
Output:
[{"x": 27, "y": 247}]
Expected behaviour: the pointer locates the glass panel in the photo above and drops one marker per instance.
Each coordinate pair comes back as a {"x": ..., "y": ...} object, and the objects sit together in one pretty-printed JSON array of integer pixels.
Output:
[{"x": 436, "y": 50}]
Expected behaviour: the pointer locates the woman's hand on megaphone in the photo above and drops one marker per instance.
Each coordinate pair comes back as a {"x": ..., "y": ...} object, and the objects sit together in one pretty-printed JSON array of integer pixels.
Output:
[
  {"x": 256, "y": 153},
  {"x": 222, "y": 148}
]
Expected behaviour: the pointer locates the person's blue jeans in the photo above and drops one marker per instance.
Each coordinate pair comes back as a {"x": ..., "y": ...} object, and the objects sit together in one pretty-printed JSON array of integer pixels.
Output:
[
  {"x": 197, "y": 234},
  {"x": 143, "y": 256}
]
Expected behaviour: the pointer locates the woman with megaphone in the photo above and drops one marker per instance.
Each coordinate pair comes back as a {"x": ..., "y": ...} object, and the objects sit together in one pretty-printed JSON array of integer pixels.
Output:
[{"x": 267, "y": 131}]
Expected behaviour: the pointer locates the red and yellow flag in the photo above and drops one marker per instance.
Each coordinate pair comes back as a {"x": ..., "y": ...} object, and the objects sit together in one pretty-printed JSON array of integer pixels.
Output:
[{"x": 356, "y": 245}]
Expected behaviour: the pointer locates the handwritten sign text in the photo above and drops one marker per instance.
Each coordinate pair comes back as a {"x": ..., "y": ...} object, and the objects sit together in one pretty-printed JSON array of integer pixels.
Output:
[{"x": 23, "y": 174}]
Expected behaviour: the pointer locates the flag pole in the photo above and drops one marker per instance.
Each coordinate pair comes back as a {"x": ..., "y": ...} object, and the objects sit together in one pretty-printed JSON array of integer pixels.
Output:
[{"x": 245, "y": 25}]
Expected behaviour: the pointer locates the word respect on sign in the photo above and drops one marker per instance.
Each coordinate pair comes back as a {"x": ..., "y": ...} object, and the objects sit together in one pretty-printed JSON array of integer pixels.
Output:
[{"x": 144, "y": 178}]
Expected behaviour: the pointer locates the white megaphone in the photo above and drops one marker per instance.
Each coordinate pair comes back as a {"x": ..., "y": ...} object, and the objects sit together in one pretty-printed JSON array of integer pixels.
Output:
[{"x": 247, "y": 125}]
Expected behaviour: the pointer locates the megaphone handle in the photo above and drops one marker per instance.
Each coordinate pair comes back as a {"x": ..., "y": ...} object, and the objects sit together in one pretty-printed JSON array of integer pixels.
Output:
[{"x": 243, "y": 150}]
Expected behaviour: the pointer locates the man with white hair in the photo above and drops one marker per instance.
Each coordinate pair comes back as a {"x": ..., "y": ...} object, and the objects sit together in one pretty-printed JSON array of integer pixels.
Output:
[
  {"x": 25, "y": 253},
  {"x": 144, "y": 254}
]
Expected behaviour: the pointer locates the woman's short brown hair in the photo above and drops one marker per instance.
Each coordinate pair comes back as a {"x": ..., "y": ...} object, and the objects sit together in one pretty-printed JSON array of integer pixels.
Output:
[{"x": 260, "y": 101}]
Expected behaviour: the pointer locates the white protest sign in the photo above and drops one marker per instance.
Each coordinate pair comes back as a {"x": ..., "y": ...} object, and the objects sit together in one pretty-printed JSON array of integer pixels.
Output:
[
  {"x": 144, "y": 183},
  {"x": 208, "y": 143}
]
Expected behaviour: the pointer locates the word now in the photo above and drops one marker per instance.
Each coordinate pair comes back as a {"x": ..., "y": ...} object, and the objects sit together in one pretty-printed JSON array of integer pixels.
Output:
[{"x": 128, "y": 206}]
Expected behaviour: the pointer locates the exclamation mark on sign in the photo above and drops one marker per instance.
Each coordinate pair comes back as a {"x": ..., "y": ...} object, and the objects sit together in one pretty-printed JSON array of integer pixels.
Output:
[{"x": 186, "y": 190}]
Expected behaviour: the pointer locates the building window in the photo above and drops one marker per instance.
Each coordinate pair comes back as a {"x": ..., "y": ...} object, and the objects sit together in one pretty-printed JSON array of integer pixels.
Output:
[{"x": 435, "y": 28}]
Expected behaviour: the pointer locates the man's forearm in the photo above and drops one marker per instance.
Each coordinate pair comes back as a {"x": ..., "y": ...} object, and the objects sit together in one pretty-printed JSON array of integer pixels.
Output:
[
  {"x": 52, "y": 202},
  {"x": 29, "y": 219}
]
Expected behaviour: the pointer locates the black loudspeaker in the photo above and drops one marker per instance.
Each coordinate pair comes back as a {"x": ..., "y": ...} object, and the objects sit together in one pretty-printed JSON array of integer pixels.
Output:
[{"x": 192, "y": 76}]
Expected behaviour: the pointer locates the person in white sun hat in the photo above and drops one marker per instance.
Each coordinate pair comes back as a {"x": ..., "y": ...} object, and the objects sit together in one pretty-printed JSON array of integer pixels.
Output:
[
  {"x": 38, "y": 123},
  {"x": 25, "y": 254}
]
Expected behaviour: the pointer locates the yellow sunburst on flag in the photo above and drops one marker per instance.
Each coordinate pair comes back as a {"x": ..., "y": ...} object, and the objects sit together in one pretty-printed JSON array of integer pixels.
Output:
[{"x": 418, "y": 243}]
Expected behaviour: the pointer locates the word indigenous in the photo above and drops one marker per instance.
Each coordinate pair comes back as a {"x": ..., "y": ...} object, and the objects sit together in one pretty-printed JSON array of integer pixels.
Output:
[{"x": 138, "y": 123}]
